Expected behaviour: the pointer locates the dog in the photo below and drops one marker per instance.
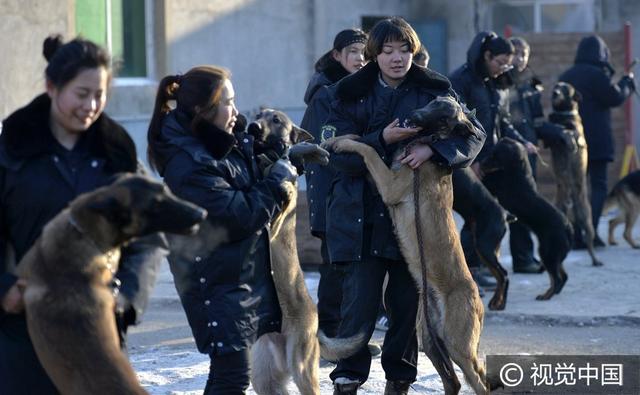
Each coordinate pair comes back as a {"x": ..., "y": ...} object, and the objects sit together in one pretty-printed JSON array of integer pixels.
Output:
[
  {"x": 488, "y": 222},
  {"x": 626, "y": 196},
  {"x": 68, "y": 299},
  {"x": 569, "y": 162},
  {"x": 508, "y": 176},
  {"x": 295, "y": 351},
  {"x": 455, "y": 331}
]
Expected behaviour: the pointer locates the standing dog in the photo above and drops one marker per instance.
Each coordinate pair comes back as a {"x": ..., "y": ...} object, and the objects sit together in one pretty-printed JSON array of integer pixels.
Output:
[
  {"x": 569, "y": 161},
  {"x": 626, "y": 195},
  {"x": 458, "y": 325},
  {"x": 488, "y": 225},
  {"x": 508, "y": 176},
  {"x": 68, "y": 298},
  {"x": 296, "y": 350}
]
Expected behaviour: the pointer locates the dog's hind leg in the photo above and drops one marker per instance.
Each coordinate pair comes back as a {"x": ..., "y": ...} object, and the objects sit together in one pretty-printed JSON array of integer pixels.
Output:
[
  {"x": 269, "y": 375},
  {"x": 462, "y": 328},
  {"x": 613, "y": 224},
  {"x": 436, "y": 351},
  {"x": 630, "y": 219},
  {"x": 303, "y": 355}
]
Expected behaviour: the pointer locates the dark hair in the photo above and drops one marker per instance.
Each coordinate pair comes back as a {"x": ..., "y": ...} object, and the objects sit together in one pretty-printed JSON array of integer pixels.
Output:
[
  {"x": 519, "y": 42},
  {"x": 421, "y": 55},
  {"x": 67, "y": 60},
  {"x": 391, "y": 29},
  {"x": 497, "y": 45},
  {"x": 196, "y": 92},
  {"x": 342, "y": 39}
]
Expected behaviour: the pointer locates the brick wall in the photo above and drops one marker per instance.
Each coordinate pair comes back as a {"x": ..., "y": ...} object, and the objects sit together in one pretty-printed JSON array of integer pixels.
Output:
[{"x": 553, "y": 53}]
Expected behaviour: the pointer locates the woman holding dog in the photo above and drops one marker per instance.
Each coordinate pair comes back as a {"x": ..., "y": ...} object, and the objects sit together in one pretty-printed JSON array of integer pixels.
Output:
[
  {"x": 55, "y": 148},
  {"x": 372, "y": 102},
  {"x": 226, "y": 290}
]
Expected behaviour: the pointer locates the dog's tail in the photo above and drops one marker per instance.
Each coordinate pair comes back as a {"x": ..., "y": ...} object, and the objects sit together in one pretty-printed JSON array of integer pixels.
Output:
[{"x": 335, "y": 348}]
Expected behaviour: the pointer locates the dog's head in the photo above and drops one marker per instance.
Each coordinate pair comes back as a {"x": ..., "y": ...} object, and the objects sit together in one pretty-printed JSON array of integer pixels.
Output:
[
  {"x": 442, "y": 117},
  {"x": 509, "y": 156},
  {"x": 135, "y": 206},
  {"x": 564, "y": 97},
  {"x": 274, "y": 133}
]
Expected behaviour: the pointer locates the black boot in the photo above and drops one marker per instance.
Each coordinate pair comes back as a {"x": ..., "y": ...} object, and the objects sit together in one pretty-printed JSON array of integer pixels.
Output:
[
  {"x": 398, "y": 387},
  {"x": 345, "y": 386}
]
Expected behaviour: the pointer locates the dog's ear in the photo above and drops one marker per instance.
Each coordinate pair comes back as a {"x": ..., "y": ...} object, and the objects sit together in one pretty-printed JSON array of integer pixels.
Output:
[
  {"x": 577, "y": 96},
  {"x": 111, "y": 209},
  {"x": 299, "y": 135}
]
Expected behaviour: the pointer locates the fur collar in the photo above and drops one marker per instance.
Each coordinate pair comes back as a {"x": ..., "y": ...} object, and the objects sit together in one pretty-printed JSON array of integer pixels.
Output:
[
  {"x": 26, "y": 134},
  {"x": 361, "y": 82}
]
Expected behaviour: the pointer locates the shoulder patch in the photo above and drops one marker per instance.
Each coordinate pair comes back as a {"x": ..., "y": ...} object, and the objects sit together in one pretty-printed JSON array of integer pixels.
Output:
[{"x": 327, "y": 132}]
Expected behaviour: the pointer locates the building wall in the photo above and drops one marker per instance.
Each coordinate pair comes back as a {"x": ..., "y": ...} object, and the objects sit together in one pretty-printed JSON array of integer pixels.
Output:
[{"x": 25, "y": 25}]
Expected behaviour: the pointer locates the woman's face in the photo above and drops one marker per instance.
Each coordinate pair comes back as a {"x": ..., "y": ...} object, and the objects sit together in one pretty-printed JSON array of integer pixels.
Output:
[
  {"x": 351, "y": 57},
  {"x": 226, "y": 113},
  {"x": 521, "y": 58},
  {"x": 394, "y": 61},
  {"x": 498, "y": 64},
  {"x": 76, "y": 105}
]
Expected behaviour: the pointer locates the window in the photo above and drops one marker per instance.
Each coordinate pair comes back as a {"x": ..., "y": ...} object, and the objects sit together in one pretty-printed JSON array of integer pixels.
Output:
[
  {"x": 556, "y": 16},
  {"x": 118, "y": 25}
]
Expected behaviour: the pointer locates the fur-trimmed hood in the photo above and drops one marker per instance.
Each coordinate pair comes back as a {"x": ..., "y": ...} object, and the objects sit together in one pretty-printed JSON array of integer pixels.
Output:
[
  {"x": 359, "y": 83},
  {"x": 26, "y": 134}
]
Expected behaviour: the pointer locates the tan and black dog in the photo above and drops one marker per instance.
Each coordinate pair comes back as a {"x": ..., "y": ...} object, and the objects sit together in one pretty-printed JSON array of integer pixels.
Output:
[
  {"x": 68, "y": 299},
  {"x": 459, "y": 323},
  {"x": 569, "y": 160},
  {"x": 626, "y": 196},
  {"x": 294, "y": 351}
]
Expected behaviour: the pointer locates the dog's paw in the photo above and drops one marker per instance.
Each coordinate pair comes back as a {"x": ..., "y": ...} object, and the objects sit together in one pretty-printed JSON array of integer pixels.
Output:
[
  {"x": 345, "y": 145},
  {"x": 329, "y": 144}
]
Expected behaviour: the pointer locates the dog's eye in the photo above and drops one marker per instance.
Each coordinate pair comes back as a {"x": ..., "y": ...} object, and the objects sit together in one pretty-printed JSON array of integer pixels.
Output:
[{"x": 276, "y": 120}]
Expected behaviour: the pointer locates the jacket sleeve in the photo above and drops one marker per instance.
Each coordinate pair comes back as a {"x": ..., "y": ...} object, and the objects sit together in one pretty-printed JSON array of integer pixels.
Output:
[
  {"x": 241, "y": 212},
  {"x": 7, "y": 279},
  {"x": 610, "y": 94},
  {"x": 138, "y": 270},
  {"x": 459, "y": 151},
  {"x": 343, "y": 123}
]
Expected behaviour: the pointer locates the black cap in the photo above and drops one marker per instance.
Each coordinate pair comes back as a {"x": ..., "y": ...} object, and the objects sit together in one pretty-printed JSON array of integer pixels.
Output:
[{"x": 348, "y": 37}]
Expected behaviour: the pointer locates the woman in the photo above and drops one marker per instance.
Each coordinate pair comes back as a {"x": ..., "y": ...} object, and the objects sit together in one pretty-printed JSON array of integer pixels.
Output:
[
  {"x": 228, "y": 293},
  {"x": 59, "y": 146},
  {"x": 371, "y": 102}
]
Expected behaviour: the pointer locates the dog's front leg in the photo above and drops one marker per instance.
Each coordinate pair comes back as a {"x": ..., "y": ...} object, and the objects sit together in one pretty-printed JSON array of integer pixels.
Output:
[{"x": 391, "y": 186}]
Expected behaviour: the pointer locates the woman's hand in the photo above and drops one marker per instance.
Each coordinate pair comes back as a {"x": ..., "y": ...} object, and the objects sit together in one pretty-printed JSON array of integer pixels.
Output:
[
  {"x": 394, "y": 132},
  {"x": 12, "y": 302},
  {"x": 417, "y": 155}
]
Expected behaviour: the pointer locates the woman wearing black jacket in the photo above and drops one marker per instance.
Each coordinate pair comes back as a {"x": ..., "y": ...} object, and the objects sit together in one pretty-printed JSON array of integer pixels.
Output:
[
  {"x": 372, "y": 102},
  {"x": 59, "y": 146},
  {"x": 346, "y": 57},
  {"x": 223, "y": 275}
]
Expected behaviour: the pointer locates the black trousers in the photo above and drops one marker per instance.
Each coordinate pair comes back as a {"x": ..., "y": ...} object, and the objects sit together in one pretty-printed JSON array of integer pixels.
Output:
[
  {"x": 362, "y": 293},
  {"x": 329, "y": 293},
  {"x": 20, "y": 370},
  {"x": 229, "y": 374},
  {"x": 521, "y": 244},
  {"x": 597, "y": 170}
]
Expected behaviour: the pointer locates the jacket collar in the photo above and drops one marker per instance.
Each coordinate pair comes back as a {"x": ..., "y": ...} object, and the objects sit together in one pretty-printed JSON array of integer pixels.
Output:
[
  {"x": 26, "y": 134},
  {"x": 361, "y": 82}
]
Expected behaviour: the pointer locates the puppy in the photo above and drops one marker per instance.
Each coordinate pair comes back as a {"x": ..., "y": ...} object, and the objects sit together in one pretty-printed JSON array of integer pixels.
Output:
[
  {"x": 454, "y": 332},
  {"x": 569, "y": 159},
  {"x": 626, "y": 196},
  {"x": 68, "y": 299},
  {"x": 296, "y": 350},
  {"x": 508, "y": 176}
]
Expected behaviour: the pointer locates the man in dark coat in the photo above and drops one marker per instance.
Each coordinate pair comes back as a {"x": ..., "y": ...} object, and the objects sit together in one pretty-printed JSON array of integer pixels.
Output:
[
  {"x": 591, "y": 76},
  {"x": 346, "y": 57}
]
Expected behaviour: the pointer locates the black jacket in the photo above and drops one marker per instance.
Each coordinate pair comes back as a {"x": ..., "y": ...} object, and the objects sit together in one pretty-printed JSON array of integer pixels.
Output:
[
  {"x": 478, "y": 91},
  {"x": 318, "y": 100},
  {"x": 591, "y": 76},
  {"x": 226, "y": 290},
  {"x": 363, "y": 106},
  {"x": 38, "y": 178}
]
